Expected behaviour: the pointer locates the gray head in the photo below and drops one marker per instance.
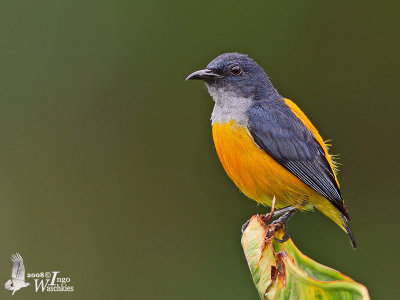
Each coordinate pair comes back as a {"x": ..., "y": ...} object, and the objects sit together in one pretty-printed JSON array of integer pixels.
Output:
[{"x": 238, "y": 74}]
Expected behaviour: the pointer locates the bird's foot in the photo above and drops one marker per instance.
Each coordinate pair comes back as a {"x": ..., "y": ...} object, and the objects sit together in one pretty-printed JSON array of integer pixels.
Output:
[
  {"x": 282, "y": 223},
  {"x": 280, "y": 212},
  {"x": 286, "y": 235},
  {"x": 285, "y": 213}
]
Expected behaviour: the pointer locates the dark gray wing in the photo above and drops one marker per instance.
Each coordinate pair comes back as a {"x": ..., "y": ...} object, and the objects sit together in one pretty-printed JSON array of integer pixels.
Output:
[{"x": 278, "y": 131}]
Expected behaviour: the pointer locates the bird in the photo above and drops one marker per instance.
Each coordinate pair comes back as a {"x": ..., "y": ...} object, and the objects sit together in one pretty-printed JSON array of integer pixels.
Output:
[
  {"x": 17, "y": 280},
  {"x": 267, "y": 145}
]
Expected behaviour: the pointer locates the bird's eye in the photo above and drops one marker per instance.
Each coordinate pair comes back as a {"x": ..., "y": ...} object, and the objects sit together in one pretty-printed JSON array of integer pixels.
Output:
[{"x": 236, "y": 70}]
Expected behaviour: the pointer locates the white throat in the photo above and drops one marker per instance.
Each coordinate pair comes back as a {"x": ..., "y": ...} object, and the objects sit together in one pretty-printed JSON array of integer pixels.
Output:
[{"x": 228, "y": 106}]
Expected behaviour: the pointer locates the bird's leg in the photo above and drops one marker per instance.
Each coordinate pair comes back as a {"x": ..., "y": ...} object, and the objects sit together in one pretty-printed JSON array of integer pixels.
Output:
[
  {"x": 285, "y": 214},
  {"x": 266, "y": 218},
  {"x": 284, "y": 210},
  {"x": 282, "y": 221}
]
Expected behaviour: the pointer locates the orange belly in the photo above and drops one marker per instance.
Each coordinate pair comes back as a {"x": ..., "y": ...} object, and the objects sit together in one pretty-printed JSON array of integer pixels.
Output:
[{"x": 257, "y": 174}]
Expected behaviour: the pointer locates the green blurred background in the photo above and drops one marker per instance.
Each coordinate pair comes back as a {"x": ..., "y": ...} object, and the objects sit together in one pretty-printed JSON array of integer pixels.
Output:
[{"x": 107, "y": 167}]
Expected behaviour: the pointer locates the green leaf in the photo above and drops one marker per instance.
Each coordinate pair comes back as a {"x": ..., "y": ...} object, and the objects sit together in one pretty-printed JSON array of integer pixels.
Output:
[{"x": 281, "y": 271}]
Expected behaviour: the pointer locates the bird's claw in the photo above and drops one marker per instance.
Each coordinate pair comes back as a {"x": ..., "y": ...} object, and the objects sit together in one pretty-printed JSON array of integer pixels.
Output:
[
  {"x": 282, "y": 223},
  {"x": 286, "y": 235}
]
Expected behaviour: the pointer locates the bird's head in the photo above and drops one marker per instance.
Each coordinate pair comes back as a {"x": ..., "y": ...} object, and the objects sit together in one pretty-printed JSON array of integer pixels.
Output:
[{"x": 237, "y": 74}]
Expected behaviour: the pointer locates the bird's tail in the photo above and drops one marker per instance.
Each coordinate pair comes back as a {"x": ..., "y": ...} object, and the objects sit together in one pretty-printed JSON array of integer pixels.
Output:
[
  {"x": 349, "y": 232},
  {"x": 331, "y": 212}
]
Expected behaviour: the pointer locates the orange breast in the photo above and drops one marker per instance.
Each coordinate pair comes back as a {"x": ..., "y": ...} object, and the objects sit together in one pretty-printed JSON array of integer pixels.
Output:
[{"x": 257, "y": 174}]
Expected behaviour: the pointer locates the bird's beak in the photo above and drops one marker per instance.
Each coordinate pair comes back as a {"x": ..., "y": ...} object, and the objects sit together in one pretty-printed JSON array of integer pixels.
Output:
[{"x": 205, "y": 74}]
